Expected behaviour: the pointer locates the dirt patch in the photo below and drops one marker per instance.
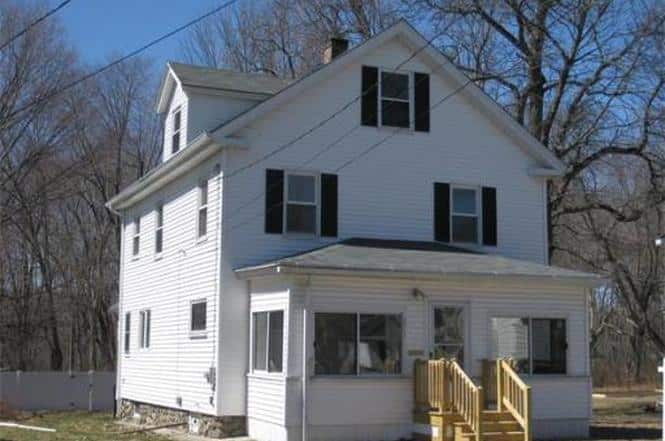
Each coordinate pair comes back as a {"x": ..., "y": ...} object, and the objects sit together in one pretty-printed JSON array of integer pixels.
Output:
[{"x": 626, "y": 415}]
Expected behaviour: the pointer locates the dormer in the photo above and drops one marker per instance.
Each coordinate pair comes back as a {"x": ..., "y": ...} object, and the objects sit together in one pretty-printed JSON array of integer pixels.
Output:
[{"x": 194, "y": 99}]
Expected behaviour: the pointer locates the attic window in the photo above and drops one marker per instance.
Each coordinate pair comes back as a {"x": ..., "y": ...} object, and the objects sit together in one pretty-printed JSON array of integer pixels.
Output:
[
  {"x": 395, "y": 96},
  {"x": 175, "y": 137}
]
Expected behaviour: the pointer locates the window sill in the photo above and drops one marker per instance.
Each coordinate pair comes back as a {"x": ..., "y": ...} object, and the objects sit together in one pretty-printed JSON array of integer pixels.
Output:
[
  {"x": 201, "y": 239},
  {"x": 198, "y": 335},
  {"x": 158, "y": 256},
  {"x": 265, "y": 375},
  {"x": 301, "y": 236},
  {"x": 135, "y": 258}
]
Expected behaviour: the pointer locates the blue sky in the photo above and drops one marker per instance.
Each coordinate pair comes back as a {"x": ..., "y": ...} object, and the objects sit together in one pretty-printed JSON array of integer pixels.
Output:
[{"x": 99, "y": 29}]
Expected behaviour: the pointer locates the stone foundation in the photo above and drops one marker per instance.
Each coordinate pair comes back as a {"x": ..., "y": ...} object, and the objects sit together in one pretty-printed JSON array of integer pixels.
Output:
[{"x": 206, "y": 425}]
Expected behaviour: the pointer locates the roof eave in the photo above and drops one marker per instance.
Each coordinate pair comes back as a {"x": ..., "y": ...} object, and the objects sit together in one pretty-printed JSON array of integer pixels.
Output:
[
  {"x": 166, "y": 86},
  {"x": 586, "y": 281}
]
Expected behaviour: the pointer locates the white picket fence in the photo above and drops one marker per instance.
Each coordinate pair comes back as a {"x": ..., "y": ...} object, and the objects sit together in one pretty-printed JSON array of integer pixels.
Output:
[{"x": 57, "y": 390}]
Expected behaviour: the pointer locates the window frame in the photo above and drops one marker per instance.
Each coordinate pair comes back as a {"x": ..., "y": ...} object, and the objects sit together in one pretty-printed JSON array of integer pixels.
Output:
[
  {"x": 203, "y": 187},
  {"x": 145, "y": 326},
  {"x": 478, "y": 216},
  {"x": 198, "y": 333},
  {"x": 176, "y": 131},
  {"x": 136, "y": 237},
  {"x": 464, "y": 307},
  {"x": 530, "y": 319},
  {"x": 159, "y": 229},
  {"x": 127, "y": 333},
  {"x": 267, "y": 370},
  {"x": 358, "y": 373},
  {"x": 411, "y": 99},
  {"x": 316, "y": 204}
]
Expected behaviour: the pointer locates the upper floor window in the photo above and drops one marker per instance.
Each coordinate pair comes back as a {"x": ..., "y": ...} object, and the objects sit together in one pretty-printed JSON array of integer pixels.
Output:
[
  {"x": 268, "y": 341},
  {"x": 159, "y": 228},
  {"x": 301, "y": 203},
  {"x": 128, "y": 327},
  {"x": 175, "y": 137},
  {"x": 395, "y": 95},
  {"x": 202, "y": 215},
  {"x": 144, "y": 329},
  {"x": 136, "y": 239},
  {"x": 465, "y": 215}
]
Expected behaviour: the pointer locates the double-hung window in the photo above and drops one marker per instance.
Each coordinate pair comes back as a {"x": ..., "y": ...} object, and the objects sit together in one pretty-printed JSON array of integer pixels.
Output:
[
  {"x": 136, "y": 239},
  {"x": 202, "y": 214},
  {"x": 144, "y": 329},
  {"x": 395, "y": 99},
  {"x": 268, "y": 341},
  {"x": 301, "y": 203},
  {"x": 538, "y": 345},
  {"x": 357, "y": 344},
  {"x": 159, "y": 228},
  {"x": 128, "y": 328},
  {"x": 464, "y": 214},
  {"x": 198, "y": 317},
  {"x": 175, "y": 136}
]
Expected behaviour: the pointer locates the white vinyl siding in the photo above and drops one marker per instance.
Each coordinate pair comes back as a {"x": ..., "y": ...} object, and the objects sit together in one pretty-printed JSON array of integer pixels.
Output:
[{"x": 187, "y": 271}]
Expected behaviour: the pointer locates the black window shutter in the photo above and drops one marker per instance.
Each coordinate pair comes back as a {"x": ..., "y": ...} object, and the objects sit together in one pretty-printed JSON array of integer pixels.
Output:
[
  {"x": 421, "y": 102},
  {"x": 329, "y": 205},
  {"x": 274, "y": 201},
  {"x": 370, "y": 96},
  {"x": 489, "y": 216},
  {"x": 441, "y": 212}
]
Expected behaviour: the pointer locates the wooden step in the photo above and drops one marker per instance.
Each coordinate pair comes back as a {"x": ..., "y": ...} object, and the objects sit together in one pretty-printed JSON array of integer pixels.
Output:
[
  {"x": 493, "y": 415},
  {"x": 491, "y": 436},
  {"x": 501, "y": 426}
]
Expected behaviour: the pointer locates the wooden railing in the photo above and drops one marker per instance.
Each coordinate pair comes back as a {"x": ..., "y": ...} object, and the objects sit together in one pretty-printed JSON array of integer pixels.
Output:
[
  {"x": 431, "y": 385},
  {"x": 514, "y": 395},
  {"x": 466, "y": 398}
]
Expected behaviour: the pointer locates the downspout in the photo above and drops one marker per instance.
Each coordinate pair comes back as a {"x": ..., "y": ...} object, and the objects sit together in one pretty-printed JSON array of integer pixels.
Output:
[
  {"x": 120, "y": 335},
  {"x": 305, "y": 358}
]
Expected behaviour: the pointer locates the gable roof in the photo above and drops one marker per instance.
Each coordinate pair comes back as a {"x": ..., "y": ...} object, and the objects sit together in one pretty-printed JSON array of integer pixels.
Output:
[
  {"x": 407, "y": 258},
  {"x": 249, "y": 84},
  {"x": 551, "y": 165}
]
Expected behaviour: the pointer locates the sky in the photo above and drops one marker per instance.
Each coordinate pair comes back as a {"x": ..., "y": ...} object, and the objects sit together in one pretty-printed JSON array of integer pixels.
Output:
[{"x": 101, "y": 29}]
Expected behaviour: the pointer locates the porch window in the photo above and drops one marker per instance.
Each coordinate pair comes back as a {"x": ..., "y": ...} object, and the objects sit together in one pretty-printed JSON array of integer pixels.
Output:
[
  {"x": 538, "y": 345},
  {"x": 268, "y": 341},
  {"x": 357, "y": 344},
  {"x": 464, "y": 215}
]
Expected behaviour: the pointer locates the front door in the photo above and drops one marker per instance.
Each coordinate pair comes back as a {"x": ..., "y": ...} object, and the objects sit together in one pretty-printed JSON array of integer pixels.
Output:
[{"x": 449, "y": 332}]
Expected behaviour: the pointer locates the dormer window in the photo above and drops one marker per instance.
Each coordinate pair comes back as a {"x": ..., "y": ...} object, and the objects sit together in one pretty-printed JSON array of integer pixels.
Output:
[
  {"x": 395, "y": 93},
  {"x": 175, "y": 137}
]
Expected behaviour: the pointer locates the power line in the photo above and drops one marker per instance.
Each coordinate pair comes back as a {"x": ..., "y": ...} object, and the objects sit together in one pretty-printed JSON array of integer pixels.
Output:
[
  {"x": 34, "y": 23},
  {"x": 362, "y": 154},
  {"x": 123, "y": 58}
]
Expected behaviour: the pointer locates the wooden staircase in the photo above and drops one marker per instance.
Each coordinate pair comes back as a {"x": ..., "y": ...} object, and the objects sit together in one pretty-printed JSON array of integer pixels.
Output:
[
  {"x": 495, "y": 426},
  {"x": 449, "y": 405}
]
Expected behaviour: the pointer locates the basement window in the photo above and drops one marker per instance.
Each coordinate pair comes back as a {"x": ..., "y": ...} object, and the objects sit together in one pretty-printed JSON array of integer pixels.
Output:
[
  {"x": 268, "y": 339},
  {"x": 538, "y": 345},
  {"x": 357, "y": 344}
]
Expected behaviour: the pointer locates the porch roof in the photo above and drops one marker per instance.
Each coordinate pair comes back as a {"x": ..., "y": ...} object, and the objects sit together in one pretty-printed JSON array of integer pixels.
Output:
[{"x": 398, "y": 258}]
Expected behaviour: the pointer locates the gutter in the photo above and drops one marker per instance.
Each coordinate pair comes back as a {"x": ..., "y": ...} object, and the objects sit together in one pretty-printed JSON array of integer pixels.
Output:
[
  {"x": 201, "y": 148},
  {"x": 590, "y": 280}
]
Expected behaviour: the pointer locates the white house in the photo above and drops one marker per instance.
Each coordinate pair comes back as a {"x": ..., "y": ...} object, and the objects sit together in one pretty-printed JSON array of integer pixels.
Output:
[{"x": 302, "y": 244}]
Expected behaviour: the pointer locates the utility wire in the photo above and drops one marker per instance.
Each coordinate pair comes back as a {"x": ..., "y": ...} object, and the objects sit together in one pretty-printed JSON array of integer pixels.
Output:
[
  {"x": 363, "y": 153},
  {"x": 119, "y": 60},
  {"x": 34, "y": 23}
]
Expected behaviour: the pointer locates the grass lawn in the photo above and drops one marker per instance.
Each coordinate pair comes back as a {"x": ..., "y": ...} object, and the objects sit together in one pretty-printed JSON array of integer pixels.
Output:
[
  {"x": 626, "y": 415},
  {"x": 75, "y": 426}
]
